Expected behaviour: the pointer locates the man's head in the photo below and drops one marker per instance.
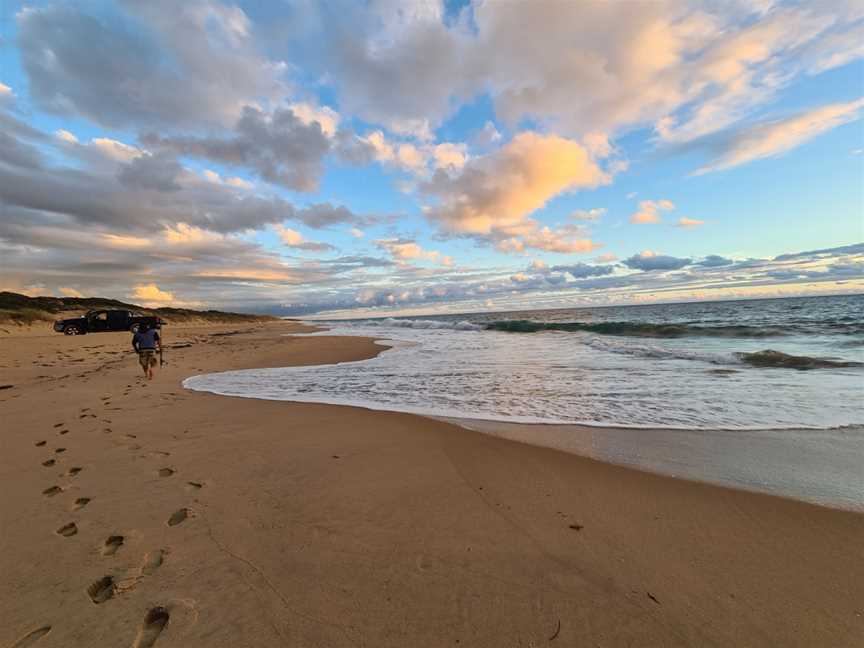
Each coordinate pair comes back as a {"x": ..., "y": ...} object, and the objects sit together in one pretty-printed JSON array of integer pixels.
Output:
[{"x": 143, "y": 326}]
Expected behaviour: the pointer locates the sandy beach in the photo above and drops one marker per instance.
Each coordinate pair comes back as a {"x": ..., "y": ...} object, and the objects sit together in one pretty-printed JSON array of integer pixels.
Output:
[{"x": 143, "y": 514}]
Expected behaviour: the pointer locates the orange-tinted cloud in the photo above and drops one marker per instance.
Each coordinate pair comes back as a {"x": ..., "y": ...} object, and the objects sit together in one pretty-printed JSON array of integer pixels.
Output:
[{"x": 649, "y": 211}]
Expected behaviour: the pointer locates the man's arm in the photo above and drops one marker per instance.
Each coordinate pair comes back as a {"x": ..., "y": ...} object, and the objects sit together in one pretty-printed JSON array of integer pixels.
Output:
[{"x": 135, "y": 342}]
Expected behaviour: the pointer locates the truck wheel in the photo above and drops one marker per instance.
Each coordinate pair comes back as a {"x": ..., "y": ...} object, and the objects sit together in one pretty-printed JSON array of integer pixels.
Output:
[
  {"x": 72, "y": 330},
  {"x": 134, "y": 328}
]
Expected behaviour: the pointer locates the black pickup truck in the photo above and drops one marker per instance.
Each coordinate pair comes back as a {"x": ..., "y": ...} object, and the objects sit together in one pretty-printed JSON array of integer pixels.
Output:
[{"x": 100, "y": 321}]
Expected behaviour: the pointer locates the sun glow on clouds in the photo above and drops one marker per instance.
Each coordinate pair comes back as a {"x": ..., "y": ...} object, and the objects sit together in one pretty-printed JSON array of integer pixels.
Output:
[
  {"x": 494, "y": 122},
  {"x": 494, "y": 196},
  {"x": 404, "y": 251},
  {"x": 649, "y": 211},
  {"x": 152, "y": 294},
  {"x": 774, "y": 138}
]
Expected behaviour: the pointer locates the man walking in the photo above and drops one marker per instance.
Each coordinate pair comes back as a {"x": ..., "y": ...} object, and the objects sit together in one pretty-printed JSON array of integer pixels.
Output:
[{"x": 145, "y": 342}]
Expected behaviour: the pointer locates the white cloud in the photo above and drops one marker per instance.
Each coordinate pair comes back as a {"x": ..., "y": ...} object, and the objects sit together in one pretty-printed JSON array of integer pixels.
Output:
[
  {"x": 487, "y": 135},
  {"x": 357, "y": 233},
  {"x": 238, "y": 183},
  {"x": 294, "y": 239},
  {"x": 689, "y": 68},
  {"x": 686, "y": 222},
  {"x": 66, "y": 136},
  {"x": 327, "y": 118},
  {"x": 770, "y": 139},
  {"x": 115, "y": 150}
]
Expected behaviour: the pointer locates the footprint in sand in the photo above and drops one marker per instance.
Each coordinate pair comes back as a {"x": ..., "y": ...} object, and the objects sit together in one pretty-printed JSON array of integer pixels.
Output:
[
  {"x": 59, "y": 450},
  {"x": 154, "y": 624},
  {"x": 73, "y": 471},
  {"x": 153, "y": 561},
  {"x": 39, "y": 444},
  {"x": 80, "y": 503},
  {"x": 112, "y": 544},
  {"x": 166, "y": 472},
  {"x": 67, "y": 530},
  {"x": 178, "y": 516},
  {"x": 52, "y": 491},
  {"x": 194, "y": 485},
  {"x": 64, "y": 432},
  {"x": 56, "y": 425},
  {"x": 49, "y": 462},
  {"x": 31, "y": 637},
  {"x": 101, "y": 590}
]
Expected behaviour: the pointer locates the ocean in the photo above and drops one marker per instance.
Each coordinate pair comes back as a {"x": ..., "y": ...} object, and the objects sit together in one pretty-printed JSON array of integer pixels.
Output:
[{"x": 734, "y": 371}]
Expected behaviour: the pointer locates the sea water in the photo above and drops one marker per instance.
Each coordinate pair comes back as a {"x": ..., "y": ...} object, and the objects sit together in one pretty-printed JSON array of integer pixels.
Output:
[{"x": 739, "y": 367}]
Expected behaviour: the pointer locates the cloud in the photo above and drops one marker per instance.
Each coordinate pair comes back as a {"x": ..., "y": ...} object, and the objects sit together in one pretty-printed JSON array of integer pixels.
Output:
[
  {"x": 582, "y": 270},
  {"x": 294, "y": 239},
  {"x": 70, "y": 292},
  {"x": 414, "y": 158},
  {"x": 855, "y": 248},
  {"x": 486, "y": 136},
  {"x": 180, "y": 65},
  {"x": 689, "y": 222},
  {"x": 649, "y": 260},
  {"x": 773, "y": 138},
  {"x": 563, "y": 240},
  {"x": 279, "y": 147},
  {"x": 588, "y": 215},
  {"x": 404, "y": 250},
  {"x": 493, "y": 196},
  {"x": 151, "y": 293},
  {"x": 649, "y": 211},
  {"x": 714, "y": 261},
  {"x": 690, "y": 69},
  {"x": 357, "y": 233},
  {"x": 606, "y": 258},
  {"x": 66, "y": 136},
  {"x": 157, "y": 172}
]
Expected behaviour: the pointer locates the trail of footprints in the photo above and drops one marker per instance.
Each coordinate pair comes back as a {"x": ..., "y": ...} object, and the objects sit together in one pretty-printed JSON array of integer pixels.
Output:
[{"x": 105, "y": 588}]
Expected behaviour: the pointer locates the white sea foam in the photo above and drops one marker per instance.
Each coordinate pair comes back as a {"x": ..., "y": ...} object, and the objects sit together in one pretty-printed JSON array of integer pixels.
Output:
[{"x": 563, "y": 378}]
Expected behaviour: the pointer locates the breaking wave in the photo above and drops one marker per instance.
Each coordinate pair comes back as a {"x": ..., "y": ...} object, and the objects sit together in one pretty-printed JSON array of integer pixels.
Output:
[
  {"x": 770, "y": 358},
  {"x": 635, "y": 329}
]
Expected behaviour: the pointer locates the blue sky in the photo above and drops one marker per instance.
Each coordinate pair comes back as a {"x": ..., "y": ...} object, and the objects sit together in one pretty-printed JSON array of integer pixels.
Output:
[{"x": 304, "y": 158}]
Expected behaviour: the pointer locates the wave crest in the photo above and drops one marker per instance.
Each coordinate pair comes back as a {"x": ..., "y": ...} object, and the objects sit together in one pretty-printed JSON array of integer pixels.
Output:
[
  {"x": 635, "y": 329},
  {"x": 771, "y": 358}
]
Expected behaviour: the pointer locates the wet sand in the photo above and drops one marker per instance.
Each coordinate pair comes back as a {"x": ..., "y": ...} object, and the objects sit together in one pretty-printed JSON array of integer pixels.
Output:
[{"x": 144, "y": 514}]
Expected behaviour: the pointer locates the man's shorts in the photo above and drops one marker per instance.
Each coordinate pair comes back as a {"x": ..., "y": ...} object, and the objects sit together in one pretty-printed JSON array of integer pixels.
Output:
[{"x": 147, "y": 358}]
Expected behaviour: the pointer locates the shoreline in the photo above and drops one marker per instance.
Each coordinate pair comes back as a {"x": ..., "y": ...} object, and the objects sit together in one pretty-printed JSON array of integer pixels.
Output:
[
  {"x": 784, "y": 466},
  {"x": 317, "y": 525}
]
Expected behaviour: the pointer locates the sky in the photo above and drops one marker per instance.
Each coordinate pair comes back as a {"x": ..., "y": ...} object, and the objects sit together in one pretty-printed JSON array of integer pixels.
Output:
[{"x": 362, "y": 159}]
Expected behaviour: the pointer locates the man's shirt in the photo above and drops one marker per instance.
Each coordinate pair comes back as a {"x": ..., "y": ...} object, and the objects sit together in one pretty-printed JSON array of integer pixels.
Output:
[{"x": 145, "y": 339}]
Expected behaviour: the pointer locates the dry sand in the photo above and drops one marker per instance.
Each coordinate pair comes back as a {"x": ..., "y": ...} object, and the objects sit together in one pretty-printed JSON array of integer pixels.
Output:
[{"x": 139, "y": 515}]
